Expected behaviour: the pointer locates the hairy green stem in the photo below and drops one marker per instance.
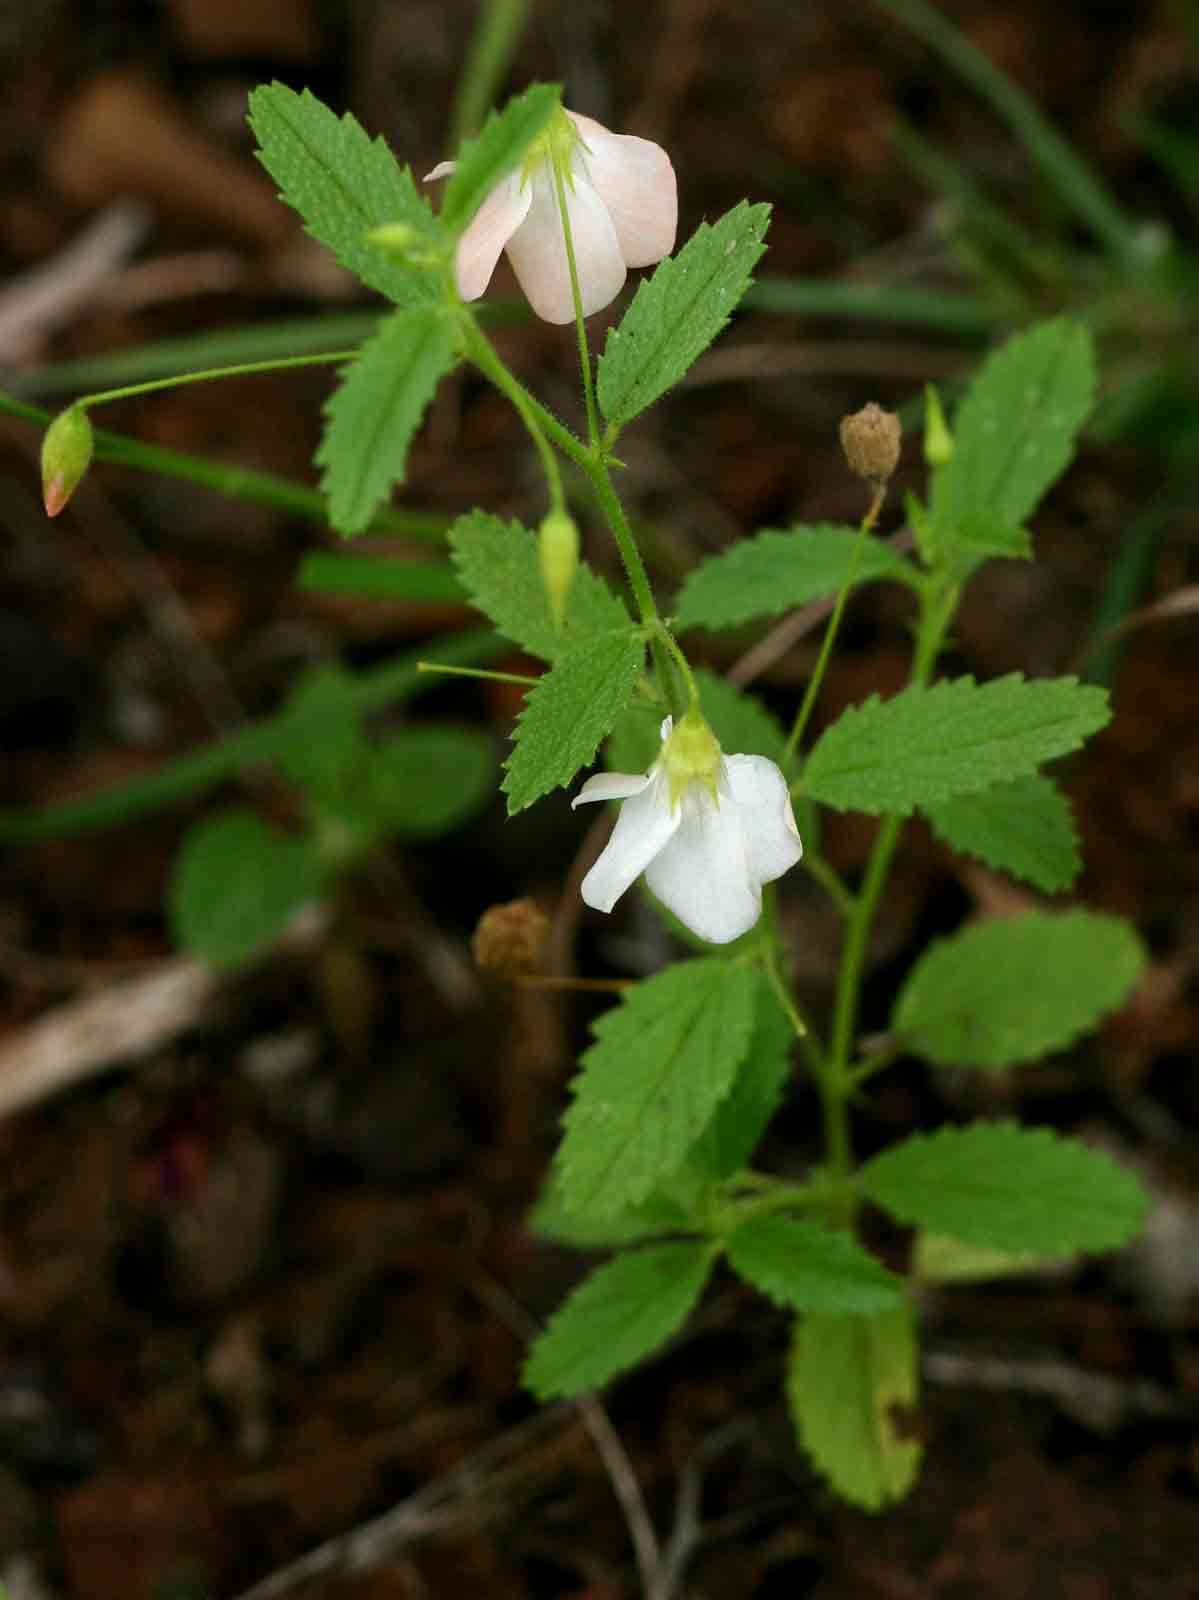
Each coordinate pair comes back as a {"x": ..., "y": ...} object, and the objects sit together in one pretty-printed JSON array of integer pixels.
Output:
[
  {"x": 244, "y": 369},
  {"x": 477, "y": 672},
  {"x": 818, "y": 868},
  {"x": 577, "y": 298},
  {"x": 837, "y": 1083},
  {"x": 235, "y": 483},
  {"x": 480, "y": 350},
  {"x": 614, "y": 516},
  {"x": 832, "y": 626},
  {"x": 486, "y": 358}
]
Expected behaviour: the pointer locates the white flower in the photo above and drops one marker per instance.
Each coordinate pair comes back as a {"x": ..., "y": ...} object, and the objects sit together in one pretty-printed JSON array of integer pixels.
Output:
[
  {"x": 622, "y": 201},
  {"x": 708, "y": 830}
]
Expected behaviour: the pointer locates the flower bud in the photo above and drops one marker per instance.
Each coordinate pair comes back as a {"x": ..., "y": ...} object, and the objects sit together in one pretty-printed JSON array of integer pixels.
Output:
[
  {"x": 66, "y": 456},
  {"x": 510, "y": 939},
  {"x": 870, "y": 441},
  {"x": 558, "y": 557},
  {"x": 404, "y": 244},
  {"x": 938, "y": 441}
]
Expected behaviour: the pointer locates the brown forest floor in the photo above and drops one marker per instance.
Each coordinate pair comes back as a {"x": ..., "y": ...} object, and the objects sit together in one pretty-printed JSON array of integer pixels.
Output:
[{"x": 269, "y": 1279}]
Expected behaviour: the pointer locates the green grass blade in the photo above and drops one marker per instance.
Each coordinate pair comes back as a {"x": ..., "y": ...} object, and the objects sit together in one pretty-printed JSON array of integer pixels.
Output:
[
  {"x": 939, "y": 311},
  {"x": 376, "y": 578},
  {"x": 1079, "y": 188}
]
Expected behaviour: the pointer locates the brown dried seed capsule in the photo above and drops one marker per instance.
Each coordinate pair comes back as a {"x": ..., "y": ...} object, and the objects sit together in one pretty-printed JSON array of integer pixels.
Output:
[
  {"x": 510, "y": 939},
  {"x": 870, "y": 440}
]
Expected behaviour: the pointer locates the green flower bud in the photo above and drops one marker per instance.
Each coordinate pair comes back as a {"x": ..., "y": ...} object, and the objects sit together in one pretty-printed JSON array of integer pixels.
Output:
[
  {"x": 938, "y": 441},
  {"x": 405, "y": 244},
  {"x": 558, "y": 556},
  {"x": 66, "y": 456}
]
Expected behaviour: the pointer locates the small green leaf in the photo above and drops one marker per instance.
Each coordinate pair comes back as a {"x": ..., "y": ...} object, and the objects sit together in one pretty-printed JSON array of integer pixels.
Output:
[
  {"x": 619, "y": 1315},
  {"x": 927, "y": 745},
  {"x": 343, "y": 184},
  {"x": 774, "y": 571},
  {"x": 1016, "y": 988},
  {"x": 732, "y": 1135},
  {"x": 376, "y": 410},
  {"x": 498, "y": 148},
  {"x": 569, "y": 710},
  {"x": 381, "y": 578},
  {"x": 978, "y": 536},
  {"x": 425, "y": 780},
  {"x": 321, "y": 734},
  {"x": 497, "y": 563},
  {"x": 235, "y": 885},
  {"x": 1014, "y": 433},
  {"x": 851, "y": 1385},
  {"x": 677, "y": 313},
  {"x": 1025, "y": 828},
  {"x": 1008, "y": 1188},
  {"x": 938, "y": 1258},
  {"x": 805, "y": 1267},
  {"x": 663, "y": 1061}
]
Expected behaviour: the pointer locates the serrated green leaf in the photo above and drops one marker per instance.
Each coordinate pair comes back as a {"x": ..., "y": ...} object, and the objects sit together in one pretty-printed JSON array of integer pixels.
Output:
[
  {"x": 376, "y": 409},
  {"x": 1016, "y": 988},
  {"x": 662, "y": 1061},
  {"x": 937, "y": 1258},
  {"x": 1025, "y": 828},
  {"x": 1014, "y": 432},
  {"x": 927, "y": 745},
  {"x": 981, "y": 535},
  {"x": 616, "y": 1317},
  {"x": 425, "y": 780},
  {"x": 722, "y": 1149},
  {"x": 775, "y": 571},
  {"x": 739, "y": 720},
  {"x": 677, "y": 313},
  {"x": 566, "y": 714},
  {"x": 803, "y": 1266},
  {"x": 498, "y": 148},
  {"x": 1008, "y": 1188},
  {"x": 497, "y": 563},
  {"x": 343, "y": 184},
  {"x": 381, "y": 578},
  {"x": 851, "y": 1384},
  {"x": 235, "y": 885},
  {"x": 740, "y": 1119}
]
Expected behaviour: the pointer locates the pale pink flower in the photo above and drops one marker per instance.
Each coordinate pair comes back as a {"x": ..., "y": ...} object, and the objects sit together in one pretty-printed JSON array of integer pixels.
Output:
[
  {"x": 622, "y": 201},
  {"x": 706, "y": 829}
]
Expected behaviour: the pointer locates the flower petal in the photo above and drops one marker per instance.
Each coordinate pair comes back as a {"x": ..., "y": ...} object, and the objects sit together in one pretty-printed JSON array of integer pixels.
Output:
[
  {"x": 760, "y": 793},
  {"x": 612, "y": 786},
  {"x": 490, "y": 230},
  {"x": 441, "y": 170},
  {"x": 635, "y": 180},
  {"x": 703, "y": 875},
  {"x": 537, "y": 251},
  {"x": 646, "y": 823}
]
